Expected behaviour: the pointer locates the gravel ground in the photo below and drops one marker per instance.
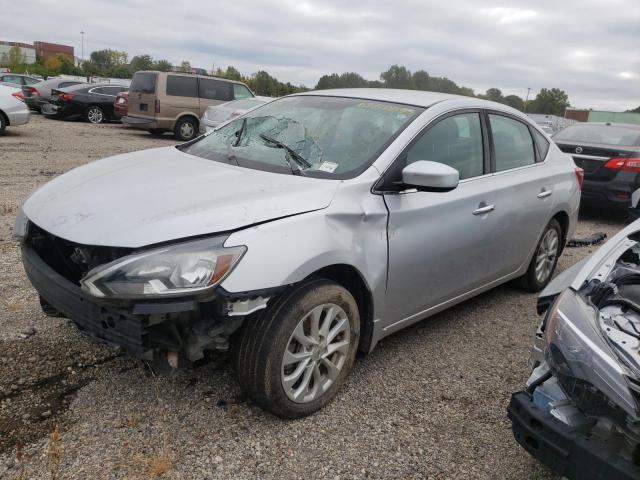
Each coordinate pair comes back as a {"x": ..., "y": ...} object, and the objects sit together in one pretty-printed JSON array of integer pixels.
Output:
[{"x": 429, "y": 402}]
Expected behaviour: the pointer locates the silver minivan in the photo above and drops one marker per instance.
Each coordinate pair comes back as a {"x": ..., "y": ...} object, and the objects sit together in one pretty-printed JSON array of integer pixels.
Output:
[{"x": 301, "y": 232}]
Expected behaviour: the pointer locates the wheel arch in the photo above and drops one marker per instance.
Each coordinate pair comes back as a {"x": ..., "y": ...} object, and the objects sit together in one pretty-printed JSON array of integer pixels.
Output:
[
  {"x": 563, "y": 219},
  {"x": 5, "y": 117},
  {"x": 350, "y": 278},
  {"x": 184, "y": 115}
]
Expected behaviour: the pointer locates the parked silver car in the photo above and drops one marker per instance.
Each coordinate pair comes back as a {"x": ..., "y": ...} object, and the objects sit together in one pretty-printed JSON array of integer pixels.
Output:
[
  {"x": 39, "y": 94},
  {"x": 13, "y": 110},
  {"x": 301, "y": 232},
  {"x": 580, "y": 411},
  {"x": 216, "y": 115}
]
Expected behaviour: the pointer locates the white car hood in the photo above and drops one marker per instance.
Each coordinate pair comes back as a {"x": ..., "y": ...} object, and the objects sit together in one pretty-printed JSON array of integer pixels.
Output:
[{"x": 158, "y": 195}]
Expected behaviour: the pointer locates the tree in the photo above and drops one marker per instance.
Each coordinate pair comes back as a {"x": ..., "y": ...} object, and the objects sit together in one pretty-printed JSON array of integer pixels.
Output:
[
  {"x": 494, "y": 94},
  {"x": 514, "y": 101},
  {"x": 549, "y": 101},
  {"x": 421, "y": 80},
  {"x": 232, "y": 74},
  {"x": 14, "y": 59},
  {"x": 107, "y": 63},
  {"x": 185, "y": 67},
  {"x": 635, "y": 110},
  {"x": 397, "y": 77},
  {"x": 162, "y": 66},
  {"x": 140, "y": 62}
]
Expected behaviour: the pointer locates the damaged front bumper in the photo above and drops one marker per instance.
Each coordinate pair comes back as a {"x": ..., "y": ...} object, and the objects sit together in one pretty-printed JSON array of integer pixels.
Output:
[
  {"x": 564, "y": 448},
  {"x": 183, "y": 327}
]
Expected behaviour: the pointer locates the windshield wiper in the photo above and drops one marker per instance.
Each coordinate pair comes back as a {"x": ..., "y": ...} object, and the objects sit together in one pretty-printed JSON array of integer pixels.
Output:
[
  {"x": 294, "y": 159},
  {"x": 240, "y": 132}
]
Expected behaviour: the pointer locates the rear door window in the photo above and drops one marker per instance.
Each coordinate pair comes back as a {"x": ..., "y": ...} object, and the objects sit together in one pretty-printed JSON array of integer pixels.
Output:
[
  {"x": 512, "y": 143},
  {"x": 240, "y": 91},
  {"x": 179, "y": 86},
  {"x": 213, "y": 89},
  {"x": 30, "y": 81},
  {"x": 143, "y": 82}
]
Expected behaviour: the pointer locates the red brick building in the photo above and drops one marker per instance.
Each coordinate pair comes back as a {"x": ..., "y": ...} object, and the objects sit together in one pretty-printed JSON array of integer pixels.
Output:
[{"x": 45, "y": 50}]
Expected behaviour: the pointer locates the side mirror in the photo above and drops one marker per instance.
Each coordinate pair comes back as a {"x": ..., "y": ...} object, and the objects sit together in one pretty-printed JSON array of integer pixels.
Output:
[{"x": 430, "y": 176}]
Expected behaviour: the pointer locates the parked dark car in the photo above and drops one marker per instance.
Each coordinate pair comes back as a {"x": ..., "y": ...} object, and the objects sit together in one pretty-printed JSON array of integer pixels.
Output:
[
  {"x": 121, "y": 105},
  {"x": 18, "y": 79},
  {"x": 38, "y": 94},
  {"x": 93, "y": 102},
  {"x": 609, "y": 153}
]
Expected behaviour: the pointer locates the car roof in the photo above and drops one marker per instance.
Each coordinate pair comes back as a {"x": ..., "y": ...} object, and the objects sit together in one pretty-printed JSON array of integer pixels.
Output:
[
  {"x": 192, "y": 75},
  {"x": 419, "y": 98}
]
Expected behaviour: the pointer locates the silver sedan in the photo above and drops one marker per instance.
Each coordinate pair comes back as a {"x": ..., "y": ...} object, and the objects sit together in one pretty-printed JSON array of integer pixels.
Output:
[
  {"x": 302, "y": 232},
  {"x": 13, "y": 110}
]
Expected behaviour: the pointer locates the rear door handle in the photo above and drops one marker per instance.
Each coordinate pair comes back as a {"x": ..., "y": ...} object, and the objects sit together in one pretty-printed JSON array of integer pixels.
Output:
[
  {"x": 544, "y": 193},
  {"x": 485, "y": 209}
]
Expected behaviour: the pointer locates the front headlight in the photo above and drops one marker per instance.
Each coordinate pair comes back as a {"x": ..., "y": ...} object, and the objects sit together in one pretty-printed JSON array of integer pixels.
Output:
[
  {"x": 577, "y": 349},
  {"x": 185, "y": 268}
]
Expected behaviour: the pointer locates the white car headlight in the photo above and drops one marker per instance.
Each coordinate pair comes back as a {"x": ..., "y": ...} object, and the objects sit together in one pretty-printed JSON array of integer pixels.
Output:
[
  {"x": 577, "y": 349},
  {"x": 185, "y": 268}
]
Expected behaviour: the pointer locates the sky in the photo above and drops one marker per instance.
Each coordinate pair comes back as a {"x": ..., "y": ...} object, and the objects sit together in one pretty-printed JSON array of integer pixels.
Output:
[{"x": 589, "y": 48}]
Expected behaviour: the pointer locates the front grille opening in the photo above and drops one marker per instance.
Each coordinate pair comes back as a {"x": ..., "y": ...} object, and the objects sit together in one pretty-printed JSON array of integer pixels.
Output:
[{"x": 69, "y": 259}]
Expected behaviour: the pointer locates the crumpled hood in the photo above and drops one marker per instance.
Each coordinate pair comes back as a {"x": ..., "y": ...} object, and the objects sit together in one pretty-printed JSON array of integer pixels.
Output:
[{"x": 157, "y": 195}]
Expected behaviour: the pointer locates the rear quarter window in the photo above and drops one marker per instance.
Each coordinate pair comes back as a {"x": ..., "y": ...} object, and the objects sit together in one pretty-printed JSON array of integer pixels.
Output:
[
  {"x": 542, "y": 144},
  {"x": 143, "y": 82},
  {"x": 179, "y": 86},
  {"x": 214, "y": 89}
]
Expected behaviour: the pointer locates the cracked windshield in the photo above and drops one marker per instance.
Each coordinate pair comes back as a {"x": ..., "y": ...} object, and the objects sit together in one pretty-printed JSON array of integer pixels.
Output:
[{"x": 327, "y": 137}]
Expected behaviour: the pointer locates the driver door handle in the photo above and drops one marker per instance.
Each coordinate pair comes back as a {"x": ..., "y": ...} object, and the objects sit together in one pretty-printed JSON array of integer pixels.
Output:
[{"x": 485, "y": 209}]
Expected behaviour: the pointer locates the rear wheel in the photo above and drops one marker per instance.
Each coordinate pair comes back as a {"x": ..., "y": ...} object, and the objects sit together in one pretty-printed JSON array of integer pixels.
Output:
[
  {"x": 186, "y": 129},
  {"x": 94, "y": 115},
  {"x": 292, "y": 359},
  {"x": 544, "y": 260},
  {"x": 156, "y": 132},
  {"x": 3, "y": 122}
]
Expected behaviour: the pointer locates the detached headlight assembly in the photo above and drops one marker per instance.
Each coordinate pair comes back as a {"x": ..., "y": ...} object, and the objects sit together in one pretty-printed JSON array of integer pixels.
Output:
[
  {"x": 576, "y": 349},
  {"x": 185, "y": 268}
]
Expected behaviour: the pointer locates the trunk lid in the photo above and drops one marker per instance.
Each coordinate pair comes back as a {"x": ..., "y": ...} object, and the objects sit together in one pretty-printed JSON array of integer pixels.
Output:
[{"x": 592, "y": 158}]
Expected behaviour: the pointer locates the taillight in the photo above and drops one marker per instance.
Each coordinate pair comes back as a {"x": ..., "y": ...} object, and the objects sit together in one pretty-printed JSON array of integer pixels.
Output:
[
  {"x": 580, "y": 176},
  {"x": 157, "y": 105},
  {"x": 624, "y": 163},
  {"x": 33, "y": 91},
  {"x": 19, "y": 96},
  {"x": 67, "y": 96}
]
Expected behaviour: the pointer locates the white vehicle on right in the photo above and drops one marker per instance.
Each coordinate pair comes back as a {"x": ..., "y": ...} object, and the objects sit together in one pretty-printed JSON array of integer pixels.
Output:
[
  {"x": 13, "y": 111},
  {"x": 216, "y": 115}
]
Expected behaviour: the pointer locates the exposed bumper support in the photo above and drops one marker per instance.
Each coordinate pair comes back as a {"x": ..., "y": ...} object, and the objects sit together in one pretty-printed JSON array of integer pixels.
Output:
[{"x": 567, "y": 451}]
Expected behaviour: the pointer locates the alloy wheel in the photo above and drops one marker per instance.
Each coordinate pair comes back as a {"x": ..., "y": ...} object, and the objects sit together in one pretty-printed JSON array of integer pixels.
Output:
[
  {"x": 95, "y": 115},
  {"x": 546, "y": 255},
  {"x": 316, "y": 352},
  {"x": 186, "y": 130}
]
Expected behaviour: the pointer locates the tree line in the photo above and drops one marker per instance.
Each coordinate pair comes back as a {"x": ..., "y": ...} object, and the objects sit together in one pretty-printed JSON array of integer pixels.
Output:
[{"x": 116, "y": 64}]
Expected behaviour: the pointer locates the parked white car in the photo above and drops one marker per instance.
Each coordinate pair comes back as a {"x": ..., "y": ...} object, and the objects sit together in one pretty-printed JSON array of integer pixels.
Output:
[
  {"x": 13, "y": 111},
  {"x": 216, "y": 115}
]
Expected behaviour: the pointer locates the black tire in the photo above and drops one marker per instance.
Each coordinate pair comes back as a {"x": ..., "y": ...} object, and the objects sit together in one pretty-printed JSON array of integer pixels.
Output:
[
  {"x": 94, "y": 114},
  {"x": 260, "y": 347},
  {"x": 186, "y": 129},
  {"x": 530, "y": 282},
  {"x": 3, "y": 122},
  {"x": 156, "y": 132}
]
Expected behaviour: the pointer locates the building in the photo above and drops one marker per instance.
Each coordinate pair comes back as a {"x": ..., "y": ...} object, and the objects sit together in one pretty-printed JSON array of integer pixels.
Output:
[
  {"x": 45, "y": 50},
  {"x": 602, "y": 116},
  {"x": 37, "y": 51},
  {"x": 28, "y": 51}
]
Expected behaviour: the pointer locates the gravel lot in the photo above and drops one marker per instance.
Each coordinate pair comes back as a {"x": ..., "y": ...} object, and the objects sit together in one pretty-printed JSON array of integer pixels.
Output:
[{"x": 428, "y": 403}]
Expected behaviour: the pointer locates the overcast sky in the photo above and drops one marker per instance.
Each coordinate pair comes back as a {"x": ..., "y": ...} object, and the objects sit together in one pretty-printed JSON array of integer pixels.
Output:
[{"x": 589, "y": 48}]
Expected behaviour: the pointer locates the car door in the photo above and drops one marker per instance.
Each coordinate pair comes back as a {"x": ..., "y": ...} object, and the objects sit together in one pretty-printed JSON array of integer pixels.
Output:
[
  {"x": 213, "y": 92},
  {"x": 182, "y": 97},
  {"x": 523, "y": 188},
  {"x": 441, "y": 244}
]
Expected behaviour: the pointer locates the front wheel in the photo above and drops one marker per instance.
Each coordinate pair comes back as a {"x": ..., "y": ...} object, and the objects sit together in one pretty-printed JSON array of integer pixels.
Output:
[
  {"x": 544, "y": 260},
  {"x": 292, "y": 359},
  {"x": 94, "y": 115}
]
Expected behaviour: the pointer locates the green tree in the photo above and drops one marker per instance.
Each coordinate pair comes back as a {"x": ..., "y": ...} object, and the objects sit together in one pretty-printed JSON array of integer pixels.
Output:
[
  {"x": 140, "y": 62},
  {"x": 397, "y": 77},
  {"x": 421, "y": 80},
  {"x": 185, "y": 67},
  {"x": 162, "y": 66},
  {"x": 14, "y": 59},
  {"x": 514, "y": 101},
  {"x": 549, "y": 101},
  {"x": 634, "y": 110},
  {"x": 495, "y": 95},
  {"x": 107, "y": 63},
  {"x": 232, "y": 74}
]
